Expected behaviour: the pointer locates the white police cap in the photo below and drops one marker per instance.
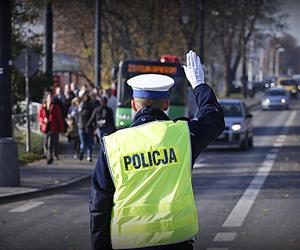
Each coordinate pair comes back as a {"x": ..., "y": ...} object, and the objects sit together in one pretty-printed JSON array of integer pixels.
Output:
[{"x": 150, "y": 85}]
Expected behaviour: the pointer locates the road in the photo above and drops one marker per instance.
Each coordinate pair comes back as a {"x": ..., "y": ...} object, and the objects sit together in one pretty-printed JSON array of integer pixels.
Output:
[{"x": 246, "y": 199}]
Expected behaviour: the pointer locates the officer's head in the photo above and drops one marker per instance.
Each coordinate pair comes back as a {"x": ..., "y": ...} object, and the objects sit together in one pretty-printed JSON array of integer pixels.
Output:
[
  {"x": 150, "y": 90},
  {"x": 139, "y": 103}
]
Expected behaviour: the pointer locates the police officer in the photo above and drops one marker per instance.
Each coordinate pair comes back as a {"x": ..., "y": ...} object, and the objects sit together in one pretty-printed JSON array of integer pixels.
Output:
[{"x": 142, "y": 195}]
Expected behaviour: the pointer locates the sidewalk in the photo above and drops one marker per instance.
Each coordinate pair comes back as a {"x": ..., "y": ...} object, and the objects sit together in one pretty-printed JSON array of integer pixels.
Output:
[{"x": 38, "y": 178}]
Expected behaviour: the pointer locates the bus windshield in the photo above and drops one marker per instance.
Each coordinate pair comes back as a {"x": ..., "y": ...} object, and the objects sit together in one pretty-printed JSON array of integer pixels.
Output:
[{"x": 132, "y": 68}]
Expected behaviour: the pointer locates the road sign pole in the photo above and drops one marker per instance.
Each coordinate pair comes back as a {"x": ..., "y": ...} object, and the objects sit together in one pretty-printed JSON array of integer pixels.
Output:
[{"x": 28, "y": 137}]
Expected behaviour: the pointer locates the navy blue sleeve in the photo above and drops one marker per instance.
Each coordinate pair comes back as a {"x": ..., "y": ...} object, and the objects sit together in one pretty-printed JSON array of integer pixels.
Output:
[
  {"x": 100, "y": 205},
  {"x": 208, "y": 122}
]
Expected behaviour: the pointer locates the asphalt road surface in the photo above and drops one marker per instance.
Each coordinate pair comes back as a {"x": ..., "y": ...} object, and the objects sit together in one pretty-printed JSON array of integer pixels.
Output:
[{"x": 246, "y": 199}]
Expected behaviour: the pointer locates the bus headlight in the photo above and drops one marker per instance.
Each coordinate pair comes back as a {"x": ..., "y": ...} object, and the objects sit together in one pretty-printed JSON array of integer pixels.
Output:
[
  {"x": 283, "y": 100},
  {"x": 236, "y": 127}
]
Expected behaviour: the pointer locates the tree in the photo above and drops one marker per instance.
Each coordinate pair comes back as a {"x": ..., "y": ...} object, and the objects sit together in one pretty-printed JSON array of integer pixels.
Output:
[
  {"x": 233, "y": 23},
  {"x": 25, "y": 15}
]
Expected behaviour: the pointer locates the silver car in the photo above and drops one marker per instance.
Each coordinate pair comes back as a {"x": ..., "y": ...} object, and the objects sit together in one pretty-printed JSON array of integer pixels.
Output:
[
  {"x": 275, "y": 98},
  {"x": 238, "y": 125}
]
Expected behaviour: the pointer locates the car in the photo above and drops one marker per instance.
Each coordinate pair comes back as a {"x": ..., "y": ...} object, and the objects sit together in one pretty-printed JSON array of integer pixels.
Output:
[
  {"x": 238, "y": 125},
  {"x": 275, "y": 98},
  {"x": 289, "y": 84}
]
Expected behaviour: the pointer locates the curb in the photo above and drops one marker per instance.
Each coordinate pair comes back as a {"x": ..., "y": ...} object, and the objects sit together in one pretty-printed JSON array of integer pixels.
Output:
[{"x": 35, "y": 193}]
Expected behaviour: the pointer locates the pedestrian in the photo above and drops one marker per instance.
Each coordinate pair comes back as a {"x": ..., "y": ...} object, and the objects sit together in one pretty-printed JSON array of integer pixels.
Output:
[
  {"x": 51, "y": 124},
  {"x": 103, "y": 119},
  {"x": 95, "y": 98},
  {"x": 141, "y": 195},
  {"x": 111, "y": 100},
  {"x": 85, "y": 132},
  {"x": 72, "y": 129}
]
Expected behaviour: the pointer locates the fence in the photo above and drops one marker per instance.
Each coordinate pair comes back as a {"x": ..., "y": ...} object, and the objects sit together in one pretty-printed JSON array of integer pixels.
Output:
[{"x": 19, "y": 121}]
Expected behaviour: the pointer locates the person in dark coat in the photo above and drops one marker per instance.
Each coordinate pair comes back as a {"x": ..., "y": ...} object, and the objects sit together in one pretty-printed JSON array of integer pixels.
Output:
[
  {"x": 103, "y": 119},
  {"x": 85, "y": 130},
  {"x": 207, "y": 124}
]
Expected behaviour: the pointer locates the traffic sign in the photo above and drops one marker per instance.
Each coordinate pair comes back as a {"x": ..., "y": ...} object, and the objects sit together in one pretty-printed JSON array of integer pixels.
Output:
[{"x": 33, "y": 62}]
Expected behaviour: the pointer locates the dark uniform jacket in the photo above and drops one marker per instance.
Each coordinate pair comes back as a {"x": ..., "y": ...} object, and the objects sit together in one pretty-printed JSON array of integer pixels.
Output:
[{"x": 204, "y": 128}]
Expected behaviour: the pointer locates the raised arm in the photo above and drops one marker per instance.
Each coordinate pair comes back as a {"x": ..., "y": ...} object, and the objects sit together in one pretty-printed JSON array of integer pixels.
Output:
[{"x": 209, "y": 119}]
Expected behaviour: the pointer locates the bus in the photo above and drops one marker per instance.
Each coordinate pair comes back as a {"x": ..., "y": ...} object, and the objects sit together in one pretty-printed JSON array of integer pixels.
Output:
[{"x": 131, "y": 68}]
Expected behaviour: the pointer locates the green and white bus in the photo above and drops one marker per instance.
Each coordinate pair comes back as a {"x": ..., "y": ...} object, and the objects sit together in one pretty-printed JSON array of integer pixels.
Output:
[{"x": 131, "y": 68}]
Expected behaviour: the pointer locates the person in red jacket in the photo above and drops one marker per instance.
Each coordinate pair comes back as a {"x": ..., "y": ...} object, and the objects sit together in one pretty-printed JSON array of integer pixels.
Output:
[{"x": 51, "y": 124}]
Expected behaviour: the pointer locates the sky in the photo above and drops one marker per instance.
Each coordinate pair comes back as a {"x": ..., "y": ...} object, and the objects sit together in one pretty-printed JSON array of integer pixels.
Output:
[{"x": 292, "y": 7}]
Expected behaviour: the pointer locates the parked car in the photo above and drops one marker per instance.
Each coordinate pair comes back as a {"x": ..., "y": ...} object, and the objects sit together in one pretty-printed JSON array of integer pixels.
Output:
[
  {"x": 275, "y": 98},
  {"x": 238, "y": 125}
]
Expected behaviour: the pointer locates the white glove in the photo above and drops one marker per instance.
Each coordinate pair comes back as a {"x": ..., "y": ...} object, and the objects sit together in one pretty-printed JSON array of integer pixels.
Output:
[{"x": 193, "y": 69}]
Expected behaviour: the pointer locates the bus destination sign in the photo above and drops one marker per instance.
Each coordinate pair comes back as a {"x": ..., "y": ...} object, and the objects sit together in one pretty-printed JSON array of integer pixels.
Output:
[{"x": 141, "y": 68}]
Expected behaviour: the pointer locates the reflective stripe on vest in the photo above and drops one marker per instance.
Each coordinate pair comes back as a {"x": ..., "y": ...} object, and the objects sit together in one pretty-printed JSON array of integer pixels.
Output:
[{"x": 151, "y": 168}]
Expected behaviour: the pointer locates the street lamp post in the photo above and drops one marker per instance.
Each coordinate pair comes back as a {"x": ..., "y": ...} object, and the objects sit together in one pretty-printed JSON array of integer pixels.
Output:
[
  {"x": 202, "y": 29},
  {"x": 9, "y": 166},
  {"x": 48, "y": 40},
  {"x": 98, "y": 43}
]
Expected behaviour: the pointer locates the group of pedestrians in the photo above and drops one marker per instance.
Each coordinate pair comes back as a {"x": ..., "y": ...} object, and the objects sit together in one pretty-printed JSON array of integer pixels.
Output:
[{"x": 82, "y": 114}]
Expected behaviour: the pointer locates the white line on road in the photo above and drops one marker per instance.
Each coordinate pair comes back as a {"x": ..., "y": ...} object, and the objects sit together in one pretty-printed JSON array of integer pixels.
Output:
[
  {"x": 224, "y": 237},
  {"x": 243, "y": 206},
  {"x": 274, "y": 150},
  {"x": 277, "y": 144},
  {"x": 216, "y": 248},
  {"x": 271, "y": 156},
  {"x": 26, "y": 207}
]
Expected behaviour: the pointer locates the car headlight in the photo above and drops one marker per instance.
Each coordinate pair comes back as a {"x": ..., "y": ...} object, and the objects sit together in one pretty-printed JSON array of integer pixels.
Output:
[
  {"x": 293, "y": 91},
  {"x": 267, "y": 101},
  {"x": 298, "y": 87},
  {"x": 267, "y": 85},
  {"x": 283, "y": 100},
  {"x": 236, "y": 127},
  {"x": 272, "y": 84}
]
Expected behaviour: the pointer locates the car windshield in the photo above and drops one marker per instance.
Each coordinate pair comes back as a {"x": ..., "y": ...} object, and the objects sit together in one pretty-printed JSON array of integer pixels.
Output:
[
  {"x": 288, "y": 82},
  {"x": 275, "y": 93},
  {"x": 232, "y": 109}
]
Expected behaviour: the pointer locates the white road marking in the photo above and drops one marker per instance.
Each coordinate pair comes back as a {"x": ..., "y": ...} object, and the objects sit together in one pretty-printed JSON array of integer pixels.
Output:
[
  {"x": 271, "y": 156},
  {"x": 274, "y": 150},
  {"x": 200, "y": 165},
  {"x": 216, "y": 248},
  {"x": 225, "y": 237},
  {"x": 245, "y": 203},
  {"x": 282, "y": 136},
  {"x": 26, "y": 207},
  {"x": 242, "y": 208},
  {"x": 277, "y": 144}
]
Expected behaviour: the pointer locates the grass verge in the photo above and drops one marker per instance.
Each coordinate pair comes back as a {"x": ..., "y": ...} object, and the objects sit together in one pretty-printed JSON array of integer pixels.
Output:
[{"x": 36, "y": 147}]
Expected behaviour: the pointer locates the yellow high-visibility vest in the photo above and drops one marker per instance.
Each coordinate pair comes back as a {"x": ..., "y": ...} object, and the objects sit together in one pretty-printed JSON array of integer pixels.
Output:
[{"x": 151, "y": 169}]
